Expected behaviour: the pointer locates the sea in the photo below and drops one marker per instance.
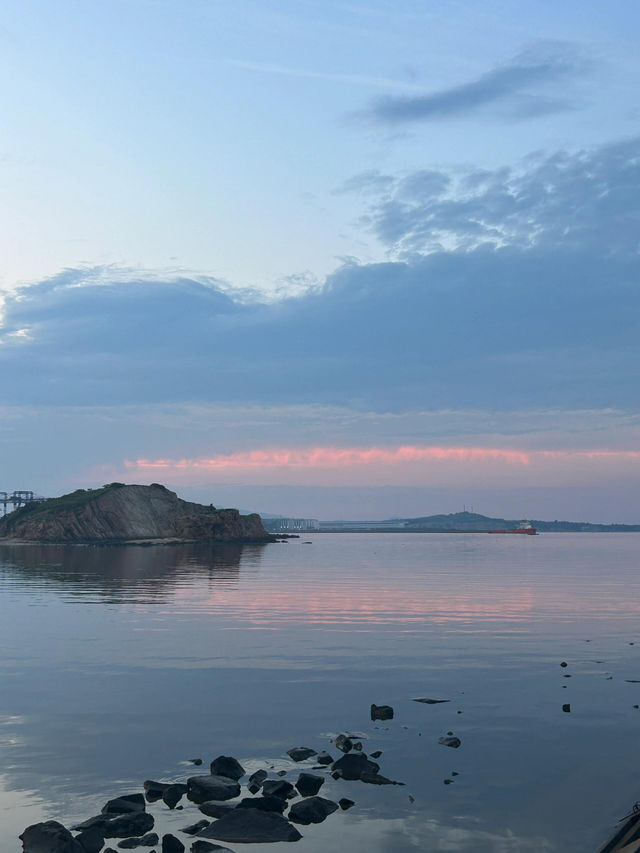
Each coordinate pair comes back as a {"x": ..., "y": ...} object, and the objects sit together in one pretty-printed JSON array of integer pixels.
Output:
[{"x": 121, "y": 664}]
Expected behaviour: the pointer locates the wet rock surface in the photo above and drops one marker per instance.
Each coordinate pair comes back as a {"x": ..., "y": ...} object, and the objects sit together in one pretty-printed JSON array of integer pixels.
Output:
[
  {"x": 91, "y": 840},
  {"x": 123, "y": 826},
  {"x": 309, "y": 784},
  {"x": 171, "y": 844},
  {"x": 312, "y": 810},
  {"x": 123, "y": 805},
  {"x": 200, "y": 789},
  {"x": 49, "y": 836},
  {"x": 301, "y": 753},
  {"x": 147, "y": 840},
  {"x": 227, "y": 766},
  {"x": 452, "y": 741},
  {"x": 250, "y": 826},
  {"x": 264, "y": 804},
  {"x": 381, "y": 712},
  {"x": 351, "y": 767}
]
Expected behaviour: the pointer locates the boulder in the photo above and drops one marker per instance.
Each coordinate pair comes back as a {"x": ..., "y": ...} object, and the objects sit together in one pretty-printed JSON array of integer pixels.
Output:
[
  {"x": 324, "y": 758},
  {"x": 203, "y": 788},
  {"x": 194, "y": 828},
  {"x": 312, "y": 810},
  {"x": 154, "y": 790},
  {"x": 344, "y": 743},
  {"x": 265, "y": 804},
  {"x": 171, "y": 844},
  {"x": 97, "y": 822},
  {"x": 381, "y": 712},
  {"x": 453, "y": 742},
  {"x": 125, "y": 804},
  {"x": 345, "y": 803},
  {"x": 351, "y": 767},
  {"x": 122, "y": 826},
  {"x": 49, "y": 837},
  {"x": 172, "y": 795},
  {"x": 258, "y": 777},
  {"x": 196, "y": 761},
  {"x": 377, "y": 779},
  {"x": 309, "y": 784},
  {"x": 277, "y": 788},
  {"x": 147, "y": 840},
  {"x": 250, "y": 826},
  {"x": 214, "y": 808},
  {"x": 300, "y": 753},
  {"x": 91, "y": 840},
  {"x": 225, "y": 765},
  {"x": 201, "y": 846}
]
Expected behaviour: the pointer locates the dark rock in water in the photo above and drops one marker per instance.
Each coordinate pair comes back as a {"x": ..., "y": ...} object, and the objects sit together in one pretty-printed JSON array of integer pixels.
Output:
[
  {"x": 123, "y": 826},
  {"x": 49, "y": 837},
  {"x": 454, "y": 773},
  {"x": 203, "y": 788},
  {"x": 632, "y": 680},
  {"x": 381, "y": 712},
  {"x": 453, "y": 742},
  {"x": 194, "y": 828},
  {"x": 376, "y": 754},
  {"x": 147, "y": 840},
  {"x": 281, "y": 773},
  {"x": 324, "y": 758},
  {"x": 309, "y": 784},
  {"x": 97, "y": 822},
  {"x": 171, "y": 844},
  {"x": 214, "y": 808},
  {"x": 426, "y": 701},
  {"x": 351, "y": 767},
  {"x": 312, "y": 810},
  {"x": 125, "y": 804},
  {"x": 173, "y": 794},
  {"x": 448, "y": 781},
  {"x": 225, "y": 765},
  {"x": 201, "y": 846},
  {"x": 344, "y": 743},
  {"x": 377, "y": 779},
  {"x": 357, "y": 746},
  {"x": 276, "y": 788},
  {"x": 567, "y": 708},
  {"x": 91, "y": 840},
  {"x": 301, "y": 753},
  {"x": 563, "y": 664},
  {"x": 196, "y": 761},
  {"x": 345, "y": 803},
  {"x": 258, "y": 777},
  {"x": 253, "y": 788},
  {"x": 250, "y": 826},
  {"x": 154, "y": 790},
  {"x": 263, "y": 804}
]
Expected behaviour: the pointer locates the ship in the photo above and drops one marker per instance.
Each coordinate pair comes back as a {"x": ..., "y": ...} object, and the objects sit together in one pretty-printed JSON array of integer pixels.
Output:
[{"x": 524, "y": 527}]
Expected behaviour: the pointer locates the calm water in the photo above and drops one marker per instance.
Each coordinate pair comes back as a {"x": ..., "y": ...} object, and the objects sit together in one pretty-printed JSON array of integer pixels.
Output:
[{"x": 120, "y": 664}]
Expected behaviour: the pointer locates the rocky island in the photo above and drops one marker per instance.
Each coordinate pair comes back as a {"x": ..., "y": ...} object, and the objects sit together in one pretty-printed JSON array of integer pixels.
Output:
[{"x": 118, "y": 513}]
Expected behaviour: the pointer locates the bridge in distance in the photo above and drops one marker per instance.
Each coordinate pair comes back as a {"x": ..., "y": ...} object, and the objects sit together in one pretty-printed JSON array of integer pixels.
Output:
[{"x": 18, "y": 498}]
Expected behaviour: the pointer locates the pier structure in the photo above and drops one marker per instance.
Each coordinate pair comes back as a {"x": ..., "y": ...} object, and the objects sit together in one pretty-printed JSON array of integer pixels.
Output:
[{"x": 18, "y": 498}]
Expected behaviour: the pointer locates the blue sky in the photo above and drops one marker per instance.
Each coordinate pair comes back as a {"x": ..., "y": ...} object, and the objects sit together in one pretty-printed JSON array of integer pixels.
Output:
[{"x": 232, "y": 228}]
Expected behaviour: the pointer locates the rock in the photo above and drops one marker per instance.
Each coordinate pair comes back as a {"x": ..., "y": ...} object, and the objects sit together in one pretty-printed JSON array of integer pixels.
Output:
[
  {"x": 201, "y": 846},
  {"x": 125, "y": 804},
  {"x": 281, "y": 773},
  {"x": 324, "y": 758},
  {"x": 173, "y": 794},
  {"x": 97, "y": 822},
  {"x": 264, "y": 804},
  {"x": 431, "y": 701},
  {"x": 215, "y": 808},
  {"x": 345, "y": 803},
  {"x": 250, "y": 826},
  {"x": 154, "y": 790},
  {"x": 381, "y": 712},
  {"x": 171, "y": 844},
  {"x": 309, "y": 784},
  {"x": 300, "y": 753},
  {"x": 196, "y": 761},
  {"x": 357, "y": 746},
  {"x": 448, "y": 781},
  {"x": 258, "y": 777},
  {"x": 351, "y": 767},
  {"x": 344, "y": 743},
  {"x": 194, "y": 828},
  {"x": 136, "y": 823},
  {"x": 564, "y": 663},
  {"x": 312, "y": 810},
  {"x": 147, "y": 840},
  {"x": 225, "y": 765},
  {"x": 276, "y": 788},
  {"x": 453, "y": 742},
  {"x": 376, "y": 754},
  {"x": 253, "y": 788},
  {"x": 49, "y": 837},
  {"x": 567, "y": 708},
  {"x": 377, "y": 779},
  {"x": 200, "y": 789},
  {"x": 91, "y": 840}
]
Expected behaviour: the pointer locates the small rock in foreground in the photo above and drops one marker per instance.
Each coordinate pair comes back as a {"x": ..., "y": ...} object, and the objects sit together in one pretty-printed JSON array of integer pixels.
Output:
[
  {"x": 171, "y": 844},
  {"x": 381, "y": 712},
  {"x": 453, "y": 742},
  {"x": 309, "y": 784},
  {"x": 49, "y": 835},
  {"x": 312, "y": 810},
  {"x": 300, "y": 753},
  {"x": 250, "y": 826}
]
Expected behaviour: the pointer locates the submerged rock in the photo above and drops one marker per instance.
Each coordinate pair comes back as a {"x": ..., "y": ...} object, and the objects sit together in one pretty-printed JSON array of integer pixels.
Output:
[
  {"x": 214, "y": 808},
  {"x": 300, "y": 753},
  {"x": 312, "y": 810},
  {"x": 49, "y": 837},
  {"x": 309, "y": 784},
  {"x": 200, "y": 789},
  {"x": 194, "y": 828},
  {"x": 225, "y": 765},
  {"x": 250, "y": 826},
  {"x": 381, "y": 712}
]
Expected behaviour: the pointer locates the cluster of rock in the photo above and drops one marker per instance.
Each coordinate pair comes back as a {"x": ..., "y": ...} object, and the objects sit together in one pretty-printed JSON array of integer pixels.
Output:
[
  {"x": 264, "y": 814},
  {"x": 120, "y": 513}
]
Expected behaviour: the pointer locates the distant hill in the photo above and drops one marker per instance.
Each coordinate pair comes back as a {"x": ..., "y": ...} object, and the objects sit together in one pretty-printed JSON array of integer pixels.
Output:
[
  {"x": 470, "y": 522},
  {"x": 120, "y": 513}
]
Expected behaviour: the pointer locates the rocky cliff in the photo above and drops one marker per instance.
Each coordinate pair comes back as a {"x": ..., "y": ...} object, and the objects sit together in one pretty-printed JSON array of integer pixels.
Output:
[{"x": 119, "y": 513}]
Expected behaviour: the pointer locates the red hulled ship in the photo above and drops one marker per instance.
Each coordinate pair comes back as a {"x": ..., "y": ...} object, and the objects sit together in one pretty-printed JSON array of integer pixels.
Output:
[{"x": 524, "y": 527}]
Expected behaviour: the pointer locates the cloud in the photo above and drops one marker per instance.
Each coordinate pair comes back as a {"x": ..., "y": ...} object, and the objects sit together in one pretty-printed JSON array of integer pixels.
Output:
[{"x": 510, "y": 91}]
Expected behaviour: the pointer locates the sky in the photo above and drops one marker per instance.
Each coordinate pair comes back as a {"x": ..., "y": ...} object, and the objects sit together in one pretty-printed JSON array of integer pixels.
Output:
[{"x": 333, "y": 259}]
